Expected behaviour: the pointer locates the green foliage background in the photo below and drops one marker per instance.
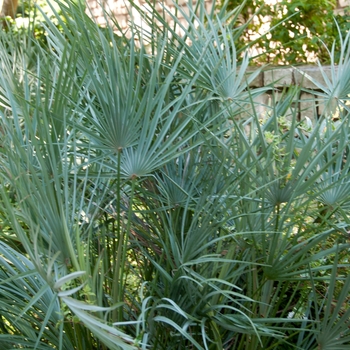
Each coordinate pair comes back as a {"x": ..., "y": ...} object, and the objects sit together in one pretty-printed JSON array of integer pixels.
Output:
[
  {"x": 301, "y": 31},
  {"x": 300, "y": 28}
]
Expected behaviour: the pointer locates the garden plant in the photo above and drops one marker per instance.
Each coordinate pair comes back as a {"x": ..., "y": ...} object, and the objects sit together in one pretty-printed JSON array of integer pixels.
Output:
[
  {"x": 293, "y": 32},
  {"x": 147, "y": 202}
]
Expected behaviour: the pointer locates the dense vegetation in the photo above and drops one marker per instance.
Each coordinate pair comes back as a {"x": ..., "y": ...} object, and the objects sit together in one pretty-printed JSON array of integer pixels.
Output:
[
  {"x": 292, "y": 32},
  {"x": 148, "y": 203}
]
